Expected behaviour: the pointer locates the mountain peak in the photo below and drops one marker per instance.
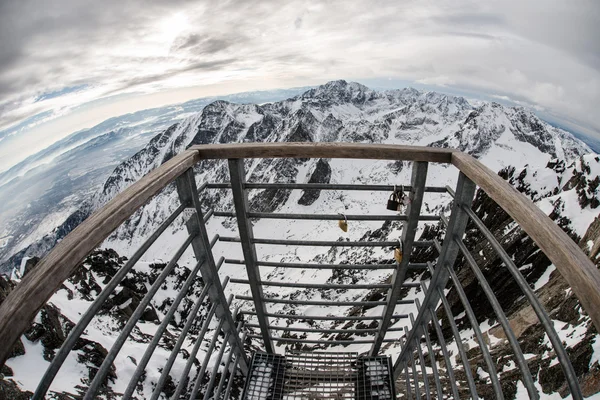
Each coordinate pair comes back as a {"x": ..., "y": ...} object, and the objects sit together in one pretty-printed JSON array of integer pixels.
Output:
[{"x": 339, "y": 90}]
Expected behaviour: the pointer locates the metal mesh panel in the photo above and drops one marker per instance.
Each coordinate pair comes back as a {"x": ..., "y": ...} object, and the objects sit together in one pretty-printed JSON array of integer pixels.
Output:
[
  {"x": 265, "y": 378},
  {"x": 319, "y": 375},
  {"x": 373, "y": 381}
]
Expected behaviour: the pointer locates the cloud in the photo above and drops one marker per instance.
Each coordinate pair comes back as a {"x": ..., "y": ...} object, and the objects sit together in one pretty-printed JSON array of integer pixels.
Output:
[{"x": 545, "y": 54}]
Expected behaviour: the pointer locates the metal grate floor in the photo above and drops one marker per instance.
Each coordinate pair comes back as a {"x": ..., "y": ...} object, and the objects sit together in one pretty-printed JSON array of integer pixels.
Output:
[{"x": 318, "y": 375}]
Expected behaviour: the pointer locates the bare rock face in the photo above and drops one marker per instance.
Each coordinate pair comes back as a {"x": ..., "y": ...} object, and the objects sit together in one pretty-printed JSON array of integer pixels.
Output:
[{"x": 321, "y": 174}]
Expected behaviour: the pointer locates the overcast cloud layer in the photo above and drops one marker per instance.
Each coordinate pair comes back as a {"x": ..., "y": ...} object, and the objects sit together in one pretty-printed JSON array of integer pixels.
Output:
[{"x": 56, "y": 56}]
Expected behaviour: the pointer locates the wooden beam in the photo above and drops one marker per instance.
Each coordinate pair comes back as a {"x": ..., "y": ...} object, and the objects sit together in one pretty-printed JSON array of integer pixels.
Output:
[
  {"x": 28, "y": 297},
  {"x": 325, "y": 150},
  {"x": 572, "y": 263}
]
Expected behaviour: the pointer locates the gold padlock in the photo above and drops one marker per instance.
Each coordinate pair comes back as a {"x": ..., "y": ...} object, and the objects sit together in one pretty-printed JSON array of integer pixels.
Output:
[
  {"x": 343, "y": 224},
  {"x": 398, "y": 252}
]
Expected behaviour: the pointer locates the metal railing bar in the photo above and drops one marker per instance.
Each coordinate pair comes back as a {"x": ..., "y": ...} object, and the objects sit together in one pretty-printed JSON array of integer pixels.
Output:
[
  {"x": 432, "y": 361},
  {"x": 478, "y": 335},
  {"x": 215, "y": 370},
  {"x": 186, "y": 189},
  {"x": 240, "y": 200},
  {"x": 208, "y": 214},
  {"x": 465, "y": 191},
  {"x": 450, "y": 191},
  {"x": 325, "y": 186},
  {"x": 459, "y": 344},
  {"x": 407, "y": 379},
  {"x": 141, "y": 367},
  {"x": 409, "y": 230},
  {"x": 188, "y": 324},
  {"x": 510, "y": 334},
  {"x": 541, "y": 313},
  {"x": 320, "y": 285},
  {"x": 293, "y": 329},
  {"x": 414, "y": 370},
  {"x": 192, "y": 356},
  {"x": 112, "y": 354},
  {"x": 329, "y": 243},
  {"x": 315, "y": 266},
  {"x": 321, "y": 341},
  {"x": 231, "y": 363},
  {"x": 208, "y": 356},
  {"x": 443, "y": 347},
  {"x": 93, "y": 309},
  {"x": 324, "y": 302},
  {"x": 422, "y": 363},
  {"x": 326, "y": 317},
  {"x": 232, "y": 375},
  {"x": 203, "y": 187},
  {"x": 327, "y": 217}
]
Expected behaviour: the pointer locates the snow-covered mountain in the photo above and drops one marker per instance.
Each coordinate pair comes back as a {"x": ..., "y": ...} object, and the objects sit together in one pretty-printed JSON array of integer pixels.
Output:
[
  {"x": 41, "y": 192},
  {"x": 549, "y": 165}
]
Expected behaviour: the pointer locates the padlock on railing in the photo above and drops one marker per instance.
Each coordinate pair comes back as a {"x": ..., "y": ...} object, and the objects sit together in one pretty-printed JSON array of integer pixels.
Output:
[
  {"x": 397, "y": 199},
  {"x": 343, "y": 223},
  {"x": 398, "y": 252},
  {"x": 393, "y": 202}
]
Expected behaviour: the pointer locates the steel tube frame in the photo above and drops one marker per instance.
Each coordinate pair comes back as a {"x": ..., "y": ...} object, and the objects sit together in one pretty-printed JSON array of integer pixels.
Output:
[
  {"x": 231, "y": 362},
  {"x": 240, "y": 200},
  {"x": 188, "y": 324},
  {"x": 465, "y": 190},
  {"x": 327, "y": 243},
  {"x": 320, "y": 285},
  {"x": 409, "y": 230},
  {"x": 322, "y": 341},
  {"x": 541, "y": 313},
  {"x": 112, "y": 354},
  {"x": 206, "y": 359},
  {"x": 432, "y": 361},
  {"x": 499, "y": 312},
  {"x": 326, "y": 217},
  {"x": 93, "y": 309},
  {"x": 325, "y": 302},
  {"x": 459, "y": 345},
  {"x": 314, "y": 266},
  {"x": 326, "y": 317},
  {"x": 141, "y": 367},
  {"x": 188, "y": 195},
  {"x": 479, "y": 336},
  {"x": 444, "y": 348},
  {"x": 327, "y": 330},
  {"x": 325, "y": 186},
  {"x": 414, "y": 370},
  {"x": 188, "y": 365},
  {"x": 215, "y": 370},
  {"x": 423, "y": 367}
]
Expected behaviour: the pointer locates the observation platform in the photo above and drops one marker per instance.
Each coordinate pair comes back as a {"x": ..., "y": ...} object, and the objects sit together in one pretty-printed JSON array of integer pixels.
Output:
[{"x": 245, "y": 349}]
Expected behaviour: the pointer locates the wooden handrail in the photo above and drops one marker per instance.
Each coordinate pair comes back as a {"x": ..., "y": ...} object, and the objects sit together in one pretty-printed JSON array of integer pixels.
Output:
[
  {"x": 22, "y": 304},
  {"x": 572, "y": 263},
  {"x": 325, "y": 150}
]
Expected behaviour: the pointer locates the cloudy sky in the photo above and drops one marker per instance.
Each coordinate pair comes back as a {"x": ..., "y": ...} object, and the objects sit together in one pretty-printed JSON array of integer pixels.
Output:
[{"x": 69, "y": 64}]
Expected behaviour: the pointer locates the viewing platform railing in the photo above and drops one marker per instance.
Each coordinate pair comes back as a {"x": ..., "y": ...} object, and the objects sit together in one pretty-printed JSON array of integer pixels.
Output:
[{"x": 238, "y": 327}]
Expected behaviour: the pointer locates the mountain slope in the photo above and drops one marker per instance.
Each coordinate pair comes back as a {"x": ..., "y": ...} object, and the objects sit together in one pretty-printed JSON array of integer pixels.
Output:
[{"x": 545, "y": 163}]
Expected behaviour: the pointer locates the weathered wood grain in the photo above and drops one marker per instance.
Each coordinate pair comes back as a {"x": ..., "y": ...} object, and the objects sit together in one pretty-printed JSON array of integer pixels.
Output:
[
  {"x": 23, "y": 303},
  {"x": 325, "y": 150},
  {"x": 581, "y": 274}
]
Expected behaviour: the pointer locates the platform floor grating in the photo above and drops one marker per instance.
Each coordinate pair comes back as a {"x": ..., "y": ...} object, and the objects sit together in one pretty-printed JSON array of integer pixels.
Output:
[{"x": 318, "y": 375}]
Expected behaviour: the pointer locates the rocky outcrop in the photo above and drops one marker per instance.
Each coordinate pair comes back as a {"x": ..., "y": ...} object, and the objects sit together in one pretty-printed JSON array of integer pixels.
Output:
[{"x": 321, "y": 174}]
